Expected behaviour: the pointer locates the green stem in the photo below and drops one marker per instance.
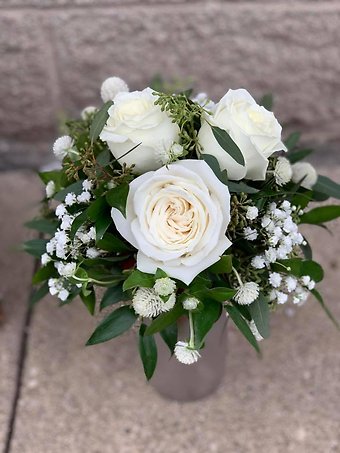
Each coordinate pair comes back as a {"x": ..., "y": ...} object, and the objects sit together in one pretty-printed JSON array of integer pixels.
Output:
[
  {"x": 192, "y": 333},
  {"x": 237, "y": 276}
]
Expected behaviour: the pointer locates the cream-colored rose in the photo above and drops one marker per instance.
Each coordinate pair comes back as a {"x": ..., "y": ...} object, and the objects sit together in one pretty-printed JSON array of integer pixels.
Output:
[
  {"x": 135, "y": 119},
  {"x": 305, "y": 173},
  {"x": 254, "y": 129},
  {"x": 176, "y": 217}
]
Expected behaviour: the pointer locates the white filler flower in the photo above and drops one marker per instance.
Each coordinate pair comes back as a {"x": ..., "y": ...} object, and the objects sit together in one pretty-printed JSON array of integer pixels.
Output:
[
  {"x": 283, "y": 171},
  {"x": 252, "y": 213},
  {"x": 148, "y": 304},
  {"x": 50, "y": 189},
  {"x": 190, "y": 303},
  {"x": 185, "y": 354},
  {"x": 254, "y": 129},
  {"x": 176, "y": 217},
  {"x": 62, "y": 146},
  {"x": 247, "y": 293},
  {"x": 304, "y": 170},
  {"x": 134, "y": 119},
  {"x": 164, "y": 286},
  {"x": 87, "y": 111},
  {"x": 111, "y": 87}
]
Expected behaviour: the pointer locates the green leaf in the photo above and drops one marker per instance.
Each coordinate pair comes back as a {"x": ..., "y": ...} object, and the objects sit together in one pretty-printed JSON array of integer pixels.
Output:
[
  {"x": 44, "y": 273},
  {"x": 104, "y": 158},
  {"x": 116, "y": 323},
  {"x": 299, "y": 268},
  {"x": 307, "y": 250},
  {"x": 35, "y": 247},
  {"x": 214, "y": 165},
  {"x": 267, "y": 101},
  {"x": 101, "y": 225},
  {"x": 321, "y": 214},
  {"x": 165, "y": 319},
  {"x": 147, "y": 352},
  {"x": 295, "y": 156},
  {"x": 117, "y": 196},
  {"x": 219, "y": 294},
  {"x": 139, "y": 279},
  {"x": 204, "y": 319},
  {"x": 319, "y": 298},
  {"x": 111, "y": 243},
  {"x": 242, "y": 325},
  {"x": 160, "y": 274},
  {"x": 43, "y": 225},
  {"x": 97, "y": 208},
  {"x": 228, "y": 144},
  {"x": 239, "y": 187},
  {"x": 99, "y": 121},
  {"x": 78, "y": 222},
  {"x": 38, "y": 294},
  {"x": 76, "y": 187},
  {"x": 170, "y": 335},
  {"x": 112, "y": 296},
  {"x": 223, "y": 266},
  {"x": 292, "y": 140},
  {"x": 89, "y": 299},
  {"x": 243, "y": 309},
  {"x": 259, "y": 311},
  {"x": 327, "y": 186}
]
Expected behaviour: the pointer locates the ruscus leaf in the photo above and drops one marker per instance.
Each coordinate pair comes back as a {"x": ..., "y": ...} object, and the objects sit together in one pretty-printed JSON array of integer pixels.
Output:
[{"x": 228, "y": 144}]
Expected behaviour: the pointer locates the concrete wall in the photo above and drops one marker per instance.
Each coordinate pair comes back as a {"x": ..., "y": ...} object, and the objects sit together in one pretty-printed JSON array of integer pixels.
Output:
[{"x": 55, "y": 53}]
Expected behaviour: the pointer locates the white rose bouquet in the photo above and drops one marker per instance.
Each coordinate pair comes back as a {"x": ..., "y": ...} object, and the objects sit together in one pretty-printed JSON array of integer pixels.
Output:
[{"x": 179, "y": 208}]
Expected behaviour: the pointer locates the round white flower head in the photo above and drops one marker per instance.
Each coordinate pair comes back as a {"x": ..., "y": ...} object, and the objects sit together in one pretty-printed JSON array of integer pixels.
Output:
[
  {"x": 252, "y": 213},
  {"x": 283, "y": 171},
  {"x": 281, "y": 297},
  {"x": 50, "y": 189},
  {"x": 62, "y": 146},
  {"x": 190, "y": 303},
  {"x": 203, "y": 100},
  {"x": 135, "y": 121},
  {"x": 176, "y": 217},
  {"x": 148, "y": 304},
  {"x": 63, "y": 295},
  {"x": 84, "y": 197},
  {"x": 266, "y": 222},
  {"x": 291, "y": 283},
  {"x": 286, "y": 205},
  {"x": 45, "y": 259},
  {"x": 247, "y": 293},
  {"x": 70, "y": 199},
  {"x": 258, "y": 262},
  {"x": 253, "y": 128},
  {"x": 305, "y": 279},
  {"x": 304, "y": 170},
  {"x": 67, "y": 269},
  {"x": 275, "y": 279},
  {"x": 250, "y": 234},
  {"x": 87, "y": 185},
  {"x": 92, "y": 253},
  {"x": 60, "y": 210},
  {"x": 87, "y": 111},
  {"x": 51, "y": 246},
  {"x": 255, "y": 331},
  {"x": 300, "y": 295},
  {"x": 185, "y": 354},
  {"x": 311, "y": 285},
  {"x": 168, "y": 155},
  {"x": 164, "y": 286},
  {"x": 56, "y": 288},
  {"x": 66, "y": 222},
  {"x": 111, "y": 87},
  {"x": 270, "y": 255}
]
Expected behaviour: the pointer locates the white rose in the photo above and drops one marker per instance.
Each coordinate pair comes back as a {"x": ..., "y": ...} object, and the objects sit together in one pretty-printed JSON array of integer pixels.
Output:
[
  {"x": 134, "y": 118},
  {"x": 304, "y": 170},
  {"x": 254, "y": 129},
  {"x": 176, "y": 217}
]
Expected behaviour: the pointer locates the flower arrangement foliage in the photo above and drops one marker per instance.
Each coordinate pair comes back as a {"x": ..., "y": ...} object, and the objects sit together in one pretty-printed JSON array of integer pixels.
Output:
[{"x": 179, "y": 208}]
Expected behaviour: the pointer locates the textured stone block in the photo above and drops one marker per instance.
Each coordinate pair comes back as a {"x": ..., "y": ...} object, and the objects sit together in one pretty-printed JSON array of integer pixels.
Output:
[
  {"x": 28, "y": 89},
  {"x": 293, "y": 53}
]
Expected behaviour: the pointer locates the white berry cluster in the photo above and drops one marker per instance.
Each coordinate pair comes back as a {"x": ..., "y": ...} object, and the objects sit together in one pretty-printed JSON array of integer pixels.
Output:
[
  {"x": 280, "y": 233},
  {"x": 288, "y": 286}
]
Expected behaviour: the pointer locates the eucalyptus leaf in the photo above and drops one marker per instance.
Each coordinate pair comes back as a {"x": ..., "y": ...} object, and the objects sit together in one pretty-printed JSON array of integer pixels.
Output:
[
  {"x": 321, "y": 215},
  {"x": 99, "y": 121},
  {"x": 242, "y": 325},
  {"x": 228, "y": 144},
  {"x": 259, "y": 311},
  {"x": 43, "y": 225},
  {"x": 239, "y": 187},
  {"x": 116, "y": 323},
  {"x": 35, "y": 247}
]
